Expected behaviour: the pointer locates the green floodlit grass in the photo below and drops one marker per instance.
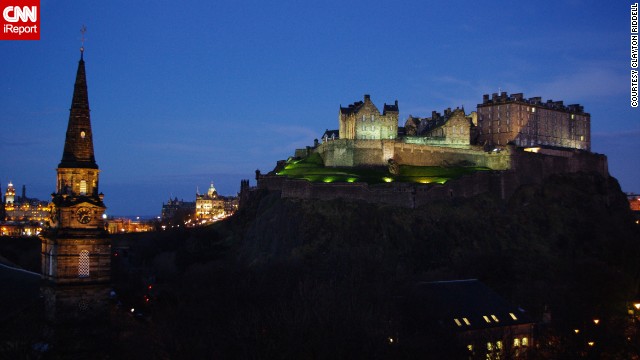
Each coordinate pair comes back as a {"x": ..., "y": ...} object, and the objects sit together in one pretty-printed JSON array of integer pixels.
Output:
[{"x": 312, "y": 169}]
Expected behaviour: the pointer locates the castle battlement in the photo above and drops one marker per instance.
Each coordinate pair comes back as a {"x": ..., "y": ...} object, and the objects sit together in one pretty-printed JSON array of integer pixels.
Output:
[{"x": 504, "y": 98}]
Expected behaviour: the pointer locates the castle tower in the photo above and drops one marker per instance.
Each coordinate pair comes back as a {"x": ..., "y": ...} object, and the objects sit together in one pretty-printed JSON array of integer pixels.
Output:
[{"x": 76, "y": 252}]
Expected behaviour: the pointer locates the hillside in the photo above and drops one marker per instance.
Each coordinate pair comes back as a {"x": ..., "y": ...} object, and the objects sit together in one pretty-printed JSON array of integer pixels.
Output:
[{"x": 319, "y": 277}]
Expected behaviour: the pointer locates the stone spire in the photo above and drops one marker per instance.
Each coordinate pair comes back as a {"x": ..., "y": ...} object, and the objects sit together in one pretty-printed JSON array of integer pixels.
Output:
[{"x": 78, "y": 145}]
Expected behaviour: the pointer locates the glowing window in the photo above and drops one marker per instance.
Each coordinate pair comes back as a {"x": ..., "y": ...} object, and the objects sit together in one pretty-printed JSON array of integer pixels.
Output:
[
  {"x": 513, "y": 316},
  {"x": 470, "y": 347},
  {"x": 82, "y": 134},
  {"x": 516, "y": 342},
  {"x": 486, "y": 318},
  {"x": 83, "y": 187},
  {"x": 83, "y": 264},
  {"x": 533, "y": 109},
  {"x": 466, "y": 321},
  {"x": 499, "y": 345},
  {"x": 489, "y": 346},
  {"x": 457, "y": 322},
  {"x": 525, "y": 341},
  {"x": 495, "y": 318}
]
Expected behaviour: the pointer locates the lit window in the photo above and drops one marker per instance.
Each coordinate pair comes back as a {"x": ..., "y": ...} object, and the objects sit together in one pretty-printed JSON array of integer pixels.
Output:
[
  {"x": 516, "y": 342},
  {"x": 466, "y": 321},
  {"x": 486, "y": 318},
  {"x": 513, "y": 316},
  {"x": 83, "y": 264},
  {"x": 83, "y": 187},
  {"x": 525, "y": 341},
  {"x": 494, "y": 318},
  {"x": 499, "y": 345},
  {"x": 489, "y": 346},
  {"x": 533, "y": 109},
  {"x": 470, "y": 347},
  {"x": 457, "y": 322}
]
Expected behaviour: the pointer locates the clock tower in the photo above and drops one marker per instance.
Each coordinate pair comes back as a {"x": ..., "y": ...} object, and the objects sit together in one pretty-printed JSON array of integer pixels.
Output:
[{"x": 76, "y": 251}]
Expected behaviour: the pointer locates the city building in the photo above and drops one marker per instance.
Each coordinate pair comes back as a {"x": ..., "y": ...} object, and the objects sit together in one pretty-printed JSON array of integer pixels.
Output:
[
  {"x": 175, "y": 208},
  {"x": 126, "y": 225},
  {"x": 23, "y": 209},
  {"x": 504, "y": 119},
  {"x": 212, "y": 207}
]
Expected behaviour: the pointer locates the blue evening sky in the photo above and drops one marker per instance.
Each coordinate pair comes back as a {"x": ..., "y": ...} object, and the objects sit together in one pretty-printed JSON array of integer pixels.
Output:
[{"x": 187, "y": 92}]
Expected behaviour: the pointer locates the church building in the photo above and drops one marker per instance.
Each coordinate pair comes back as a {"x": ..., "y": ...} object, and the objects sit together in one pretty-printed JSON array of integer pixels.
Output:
[{"x": 76, "y": 250}]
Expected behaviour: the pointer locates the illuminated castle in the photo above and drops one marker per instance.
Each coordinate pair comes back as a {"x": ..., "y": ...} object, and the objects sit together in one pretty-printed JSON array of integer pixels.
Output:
[
  {"x": 367, "y": 137},
  {"x": 510, "y": 141}
]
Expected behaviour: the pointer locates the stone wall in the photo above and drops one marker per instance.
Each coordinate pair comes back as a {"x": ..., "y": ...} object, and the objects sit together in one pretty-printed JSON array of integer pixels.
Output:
[{"x": 349, "y": 153}]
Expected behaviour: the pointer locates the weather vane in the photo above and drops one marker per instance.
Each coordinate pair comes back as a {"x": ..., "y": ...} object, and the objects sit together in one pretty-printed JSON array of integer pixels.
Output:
[{"x": 83, "y": 30}]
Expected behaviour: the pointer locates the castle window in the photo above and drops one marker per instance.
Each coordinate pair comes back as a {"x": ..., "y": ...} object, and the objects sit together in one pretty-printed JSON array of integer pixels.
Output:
[
  {"x": 83, "y": 264},
  {"x": 372, "y": 118},
  {"x": 83, "y": 187}
]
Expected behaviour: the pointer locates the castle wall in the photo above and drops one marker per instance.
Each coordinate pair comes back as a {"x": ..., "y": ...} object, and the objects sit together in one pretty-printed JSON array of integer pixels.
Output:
[
  {"x": 517, "y": 168},
  {"x": 349, "y": 153}
]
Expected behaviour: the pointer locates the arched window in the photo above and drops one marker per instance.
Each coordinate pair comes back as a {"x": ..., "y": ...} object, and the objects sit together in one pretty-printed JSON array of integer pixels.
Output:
[
  {"x": 83, "y": 187},
  {"x": 83, "y": 264}
]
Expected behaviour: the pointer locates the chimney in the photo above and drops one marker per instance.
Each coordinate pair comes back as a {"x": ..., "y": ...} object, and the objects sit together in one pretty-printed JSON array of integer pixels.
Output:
[{"x": 367, "y": 97}]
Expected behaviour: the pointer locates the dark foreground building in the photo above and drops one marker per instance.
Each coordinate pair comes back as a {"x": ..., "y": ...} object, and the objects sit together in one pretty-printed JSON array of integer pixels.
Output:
[{"x": 464, "y": 319}]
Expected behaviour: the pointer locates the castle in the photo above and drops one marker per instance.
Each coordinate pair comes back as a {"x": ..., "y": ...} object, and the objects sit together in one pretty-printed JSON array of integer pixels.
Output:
[
  {"x": 367, "y": 137},
  {"x": 513, "y": 139}
]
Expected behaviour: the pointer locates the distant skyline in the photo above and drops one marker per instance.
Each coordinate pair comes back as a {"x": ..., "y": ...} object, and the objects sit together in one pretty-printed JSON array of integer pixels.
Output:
[{"x": 182, "y": 94}]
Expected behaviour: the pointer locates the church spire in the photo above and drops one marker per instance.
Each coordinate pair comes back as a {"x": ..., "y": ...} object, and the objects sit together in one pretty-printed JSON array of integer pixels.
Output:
[{"x": 78, "y": 145}]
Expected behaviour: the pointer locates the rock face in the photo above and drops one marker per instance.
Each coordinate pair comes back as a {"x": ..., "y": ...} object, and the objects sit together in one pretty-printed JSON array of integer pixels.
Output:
[{"x": 570, "y": 237}]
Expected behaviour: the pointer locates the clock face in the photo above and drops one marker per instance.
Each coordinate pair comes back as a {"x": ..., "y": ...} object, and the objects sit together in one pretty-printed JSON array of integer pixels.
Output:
[{"x": 83, "y": 215}]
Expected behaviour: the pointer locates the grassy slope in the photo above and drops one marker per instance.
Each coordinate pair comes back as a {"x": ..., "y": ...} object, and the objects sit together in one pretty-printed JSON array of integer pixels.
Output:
[{"x": 312, "y": 169}]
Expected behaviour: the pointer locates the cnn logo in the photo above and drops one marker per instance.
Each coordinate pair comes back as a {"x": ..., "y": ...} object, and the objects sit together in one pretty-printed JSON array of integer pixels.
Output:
[
  {"x": 20, "y": 20},
  {"x": 15, "y": 13}
]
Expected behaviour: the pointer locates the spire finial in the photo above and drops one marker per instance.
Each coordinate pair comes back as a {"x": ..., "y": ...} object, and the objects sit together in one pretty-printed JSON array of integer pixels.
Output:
[{"x": 83, "y": 30}]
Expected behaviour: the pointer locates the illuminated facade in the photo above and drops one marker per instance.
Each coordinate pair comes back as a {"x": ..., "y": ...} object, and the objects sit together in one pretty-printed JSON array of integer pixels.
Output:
[
  {"x": 363, "y": 120},
  {"x": 24, "y": 209},
  {"x": 504, "y": 119},
  {"x": 454, "y": 128},
  {"x": 212, "y": 207},
  {"x": 22, "y": 216}
]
